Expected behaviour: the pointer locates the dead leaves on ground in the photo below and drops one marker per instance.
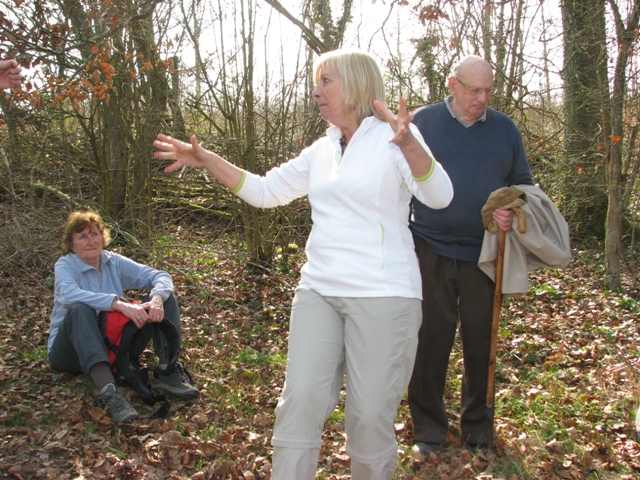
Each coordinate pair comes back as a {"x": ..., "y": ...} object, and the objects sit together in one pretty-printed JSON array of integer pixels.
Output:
[{"x": 567, "y": 346}]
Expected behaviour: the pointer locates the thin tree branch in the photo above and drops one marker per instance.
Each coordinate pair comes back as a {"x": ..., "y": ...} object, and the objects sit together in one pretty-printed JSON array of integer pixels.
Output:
[{"x": 314, "y": 42}]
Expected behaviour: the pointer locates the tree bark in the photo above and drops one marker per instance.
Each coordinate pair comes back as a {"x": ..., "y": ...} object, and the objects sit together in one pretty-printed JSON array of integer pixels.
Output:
[
  {"x": 627, "y": 36},
  {"x": 585, "y": 63}
]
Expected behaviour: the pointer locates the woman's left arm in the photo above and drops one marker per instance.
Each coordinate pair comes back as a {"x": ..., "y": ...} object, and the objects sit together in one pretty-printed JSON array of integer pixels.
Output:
[
  {"x": 424, "y": 168},
  {"x": 138, "y": 276},
  {"x": 420, "y": 160}
]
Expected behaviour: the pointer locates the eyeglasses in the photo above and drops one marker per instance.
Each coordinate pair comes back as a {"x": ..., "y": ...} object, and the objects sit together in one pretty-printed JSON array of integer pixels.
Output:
[
  {"x": 475, "y": 91},
  {"x": 85, "y": 237}
]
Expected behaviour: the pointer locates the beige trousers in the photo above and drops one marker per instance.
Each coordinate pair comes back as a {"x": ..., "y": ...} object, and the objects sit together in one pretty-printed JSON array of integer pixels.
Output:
[{"x": 374, "y": 340}]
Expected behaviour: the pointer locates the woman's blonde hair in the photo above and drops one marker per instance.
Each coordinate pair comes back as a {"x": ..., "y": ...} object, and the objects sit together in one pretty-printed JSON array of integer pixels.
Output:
[
  {"x": 361, "y": 78},
  {"x": 77, "y": 222}
]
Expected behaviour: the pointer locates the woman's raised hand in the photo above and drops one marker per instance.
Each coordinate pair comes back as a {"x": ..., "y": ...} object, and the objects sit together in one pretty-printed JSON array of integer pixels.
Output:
[
  {"x": 399, "y": 123},
  {"x": 184, "y": 154}
]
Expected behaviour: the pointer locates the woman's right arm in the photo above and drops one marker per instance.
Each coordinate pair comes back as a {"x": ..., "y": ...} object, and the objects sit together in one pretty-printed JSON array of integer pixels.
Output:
[
  {"x": 194, "y": 155},
  {"x": 278, "y": 186}
]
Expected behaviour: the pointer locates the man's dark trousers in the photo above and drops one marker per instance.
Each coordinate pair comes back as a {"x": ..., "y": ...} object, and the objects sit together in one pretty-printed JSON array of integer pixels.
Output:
[{"x": 453, "y": 291}]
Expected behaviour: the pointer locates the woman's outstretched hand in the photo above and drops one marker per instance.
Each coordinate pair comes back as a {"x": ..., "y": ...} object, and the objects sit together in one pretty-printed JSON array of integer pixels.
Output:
[
  {"x": 184, "y": 154},
  {"x": 399, "y": 123},
  {"x": 194, "y": 155}
]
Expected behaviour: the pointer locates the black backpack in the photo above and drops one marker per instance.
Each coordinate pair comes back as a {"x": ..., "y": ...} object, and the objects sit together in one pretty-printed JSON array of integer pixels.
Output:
[{"x": 121, "y": 336}]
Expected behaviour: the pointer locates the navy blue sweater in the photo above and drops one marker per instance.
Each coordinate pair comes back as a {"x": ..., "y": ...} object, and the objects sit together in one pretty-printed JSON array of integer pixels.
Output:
[{"x": 479, "y": 159}]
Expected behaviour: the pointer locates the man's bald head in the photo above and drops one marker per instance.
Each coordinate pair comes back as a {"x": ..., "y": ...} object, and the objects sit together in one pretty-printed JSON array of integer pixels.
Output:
[
  {"x": 471, "y": 85},
  {"x": 472, "y": 65}
]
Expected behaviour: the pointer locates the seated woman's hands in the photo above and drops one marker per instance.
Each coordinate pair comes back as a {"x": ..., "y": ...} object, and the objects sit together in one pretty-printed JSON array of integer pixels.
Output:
[
  {"x": 141, "y": 313},
  {"x": 155, "y": 309}
]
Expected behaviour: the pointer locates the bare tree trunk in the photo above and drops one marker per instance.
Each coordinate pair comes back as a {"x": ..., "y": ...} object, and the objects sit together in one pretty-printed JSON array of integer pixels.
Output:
[
  {"x": 627, "y": 36},
  {"x": 501, "y": 49},
  {"x": 178, "y": 124},
  {"x": 585, "y": 88},
  {"x": 116, "y": 165},
  {"x": 486, "y": 31},
  {"x": 546, "y": 99},
  {"x": 256, "y": 222},
  {"x": 516, "y": 70},
  {"x": 149, "y": 115}
]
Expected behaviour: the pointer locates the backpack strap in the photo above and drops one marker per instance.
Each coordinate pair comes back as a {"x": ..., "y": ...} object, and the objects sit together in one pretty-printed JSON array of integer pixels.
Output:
[
  {"x": 170, "y": 333},
  {"x": 126, "y": 367},
  {"x": 119, "y": 335}
]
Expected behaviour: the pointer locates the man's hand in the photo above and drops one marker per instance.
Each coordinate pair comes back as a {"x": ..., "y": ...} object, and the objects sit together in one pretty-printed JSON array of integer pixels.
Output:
[{"x": 503, "y": 218}]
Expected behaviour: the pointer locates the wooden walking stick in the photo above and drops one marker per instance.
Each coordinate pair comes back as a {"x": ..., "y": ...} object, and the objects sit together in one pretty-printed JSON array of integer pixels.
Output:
[{"x": 497, "y": 304}]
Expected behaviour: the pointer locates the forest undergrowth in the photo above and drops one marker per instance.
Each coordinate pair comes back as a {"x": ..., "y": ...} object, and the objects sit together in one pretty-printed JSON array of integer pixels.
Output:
[{"x": 567, "y": 381}]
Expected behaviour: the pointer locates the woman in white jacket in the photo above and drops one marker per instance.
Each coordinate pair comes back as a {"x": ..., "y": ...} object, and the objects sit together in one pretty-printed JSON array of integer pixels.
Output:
[{"x": 358, "y": 304}]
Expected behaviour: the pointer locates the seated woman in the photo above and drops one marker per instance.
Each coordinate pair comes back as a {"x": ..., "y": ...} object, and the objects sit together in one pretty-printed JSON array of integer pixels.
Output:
[{"x": 89, "y": 280}]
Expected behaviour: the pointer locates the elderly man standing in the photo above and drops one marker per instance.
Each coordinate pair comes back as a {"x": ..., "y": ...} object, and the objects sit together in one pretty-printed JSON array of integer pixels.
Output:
[{"x": 481, "y": 149}]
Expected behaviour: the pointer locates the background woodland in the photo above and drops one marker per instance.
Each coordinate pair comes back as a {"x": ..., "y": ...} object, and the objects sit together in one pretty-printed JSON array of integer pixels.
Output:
[{"x": 104, "y": 77}]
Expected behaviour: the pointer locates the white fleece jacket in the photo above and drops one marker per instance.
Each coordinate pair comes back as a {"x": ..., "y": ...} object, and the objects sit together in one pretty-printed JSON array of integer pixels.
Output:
[{"x": 360, "y": 243}]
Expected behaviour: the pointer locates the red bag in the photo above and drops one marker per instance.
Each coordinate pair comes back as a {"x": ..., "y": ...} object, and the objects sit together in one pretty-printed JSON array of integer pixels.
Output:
[{"x": 114, "y": 327}]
